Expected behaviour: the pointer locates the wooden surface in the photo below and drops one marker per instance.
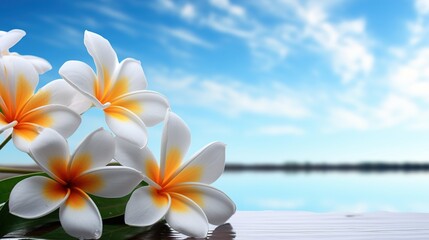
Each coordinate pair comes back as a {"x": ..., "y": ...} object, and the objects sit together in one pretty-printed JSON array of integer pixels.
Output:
[
  {"x": 302, "y": 225},
  {"x": 297, "y": 225}
]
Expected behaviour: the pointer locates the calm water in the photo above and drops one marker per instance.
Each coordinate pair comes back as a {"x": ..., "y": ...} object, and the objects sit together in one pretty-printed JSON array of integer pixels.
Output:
[{"x": 323, "y": 192}]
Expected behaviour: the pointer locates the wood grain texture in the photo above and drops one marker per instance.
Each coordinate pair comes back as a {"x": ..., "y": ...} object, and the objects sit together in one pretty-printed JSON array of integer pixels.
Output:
[{"x": 303, "y": 225}]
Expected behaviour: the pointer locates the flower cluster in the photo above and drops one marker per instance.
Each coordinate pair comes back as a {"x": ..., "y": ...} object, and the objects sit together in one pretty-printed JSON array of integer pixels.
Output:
[{"x": 39, "y": 123}]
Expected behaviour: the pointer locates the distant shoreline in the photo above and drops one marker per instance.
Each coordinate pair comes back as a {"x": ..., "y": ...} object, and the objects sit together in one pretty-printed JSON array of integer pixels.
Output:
[{"x": 365, "y": 167}]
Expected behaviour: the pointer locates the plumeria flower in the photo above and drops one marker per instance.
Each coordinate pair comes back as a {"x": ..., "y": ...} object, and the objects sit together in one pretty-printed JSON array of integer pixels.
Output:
[
  {"x": 71, "y": 179},
  {"x": 23, "y": 113},
  {"x": 179, "y": 192},
  {"x": 118, "y": 89},
  {"x": 9, "y": 39}
]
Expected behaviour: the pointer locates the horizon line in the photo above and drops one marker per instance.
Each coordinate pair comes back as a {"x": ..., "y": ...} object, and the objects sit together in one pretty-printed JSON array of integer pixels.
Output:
[{"x": 330, "y": 167}]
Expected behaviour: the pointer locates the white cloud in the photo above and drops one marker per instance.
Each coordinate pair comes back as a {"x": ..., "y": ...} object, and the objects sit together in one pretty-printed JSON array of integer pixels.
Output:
[
  {"x": 188, "y": 11},
  {"x": 186, "y": 36},
  {"x": 394, "y": 110},
  {"x": 422, "y": 6},
  {"x": 227, "y": 25},
  {"x": 112, "y": 12},
  {"x": 232, "y": 98},
  {"x": 227, "y": 6},
  {"x": 307, "y": 26},
  {"x": 280, "y": 130},
  {"x": 412, "y": 77}
]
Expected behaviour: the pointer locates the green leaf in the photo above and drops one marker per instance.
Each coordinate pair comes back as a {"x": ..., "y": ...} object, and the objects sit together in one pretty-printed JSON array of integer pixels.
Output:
[{"x": 6, "y": 185}]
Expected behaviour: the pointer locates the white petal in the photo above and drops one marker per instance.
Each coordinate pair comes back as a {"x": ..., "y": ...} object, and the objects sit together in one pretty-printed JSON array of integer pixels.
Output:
[
  {"x": 150, "y": 106},
  {"x": 62, "y": 93},
  {"x": 95, "y": 151},
  {"x": 141, "y": 159},
  {"x": 176, "y": 139},
  {"x": 5, "y": 134},
  {"x": 51, "y": 152},
  {"x": 40, "y": 64},
  {"x": 146, "y": 207},
  {"x": 109, "y": 182},
  {"x": 6, "y": 126},
  {"x": 24, "y": 134},
  {"x": 80, "y": 76},
  {"x": 36, "y": 196},
  {"x": 216, "y": 205},
  {"x": 127, "y": 125},
  {"x": 206, "y": 166},
  {"x": 18, "y": 79},
  {"x": 10, "y": 38},
  {"x": 103, "y": 54},
  {"x": 131, "y": 71},
  {"x": 80, "y": 217},
  {"x": 60, "y": 118},
  {"x": 186, "y": 217}
]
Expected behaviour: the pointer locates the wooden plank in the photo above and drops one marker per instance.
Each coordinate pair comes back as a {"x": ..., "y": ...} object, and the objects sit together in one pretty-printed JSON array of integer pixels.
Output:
[{"x": 303, "y": 225}]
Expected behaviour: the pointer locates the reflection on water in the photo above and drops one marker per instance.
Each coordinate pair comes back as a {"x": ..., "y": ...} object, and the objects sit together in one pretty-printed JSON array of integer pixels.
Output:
[
  {"x": 114, "y": 230},
  {"x": 163, "y": 231}
]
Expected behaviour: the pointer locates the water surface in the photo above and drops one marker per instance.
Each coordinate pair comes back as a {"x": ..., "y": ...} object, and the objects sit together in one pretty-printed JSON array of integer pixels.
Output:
[{"x": 327, "y": 192}]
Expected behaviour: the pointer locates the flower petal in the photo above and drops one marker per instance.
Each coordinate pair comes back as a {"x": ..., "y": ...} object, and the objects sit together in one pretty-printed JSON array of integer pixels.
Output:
[
  {"x": 24, "y": 134},
  {"x": 186, "y": 217},
  {"x": 80, "y": 76},
  {"x": 206, "y": 166},
  {"x": 18, "y": 79},
  {"x": 105, "y": 60},
  {"x": 216, "y": 205},
  {"x": 80, "y": 217},
  {"x": 4, "y": 125},
  {"x": 141, "y": 159},
  {"x": 51, "y": 152},
  {"x": 5, "y": 134},
  {"x": 126, "y": 124},
  {"x": 60, "y": 118},
  {"x": 176, "y": 139},
  {"x": 95, "y": 151},
  {"x": 148, "y": 105},
  {"x": 59, "y": 92},
  {"x": 109, "y": 182},
  {"x": 36, "y": 196},
  {"x": 9, "y": 39},
  {"x": 129, "y": 77},
  {"x": 146, "y": 207},
  {"x": 40, "y": 64}
]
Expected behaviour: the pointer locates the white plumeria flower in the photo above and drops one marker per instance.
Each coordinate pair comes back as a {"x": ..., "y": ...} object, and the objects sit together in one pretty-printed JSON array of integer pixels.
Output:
[
  {"x": 23, "y": 113},
  {"x": 179, "y": 192},
  {"x": 118, "y": 89},
  {"x": 71, "y": 179},
  {"x": 9, "y": 39}
]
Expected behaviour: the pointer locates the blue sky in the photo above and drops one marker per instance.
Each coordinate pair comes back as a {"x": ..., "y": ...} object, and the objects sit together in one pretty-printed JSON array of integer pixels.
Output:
[{"x": 335, "y": 81}]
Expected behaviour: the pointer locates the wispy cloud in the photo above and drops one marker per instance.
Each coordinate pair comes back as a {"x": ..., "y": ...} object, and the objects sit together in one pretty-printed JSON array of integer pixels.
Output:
[
  {"x": 230, "y": 97},
  {"x": 308, "y": 26},
  {"x": 184, "y": 35},
  {"x": 230, "y": 8},
  {"x": 111, "y": 11}
]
